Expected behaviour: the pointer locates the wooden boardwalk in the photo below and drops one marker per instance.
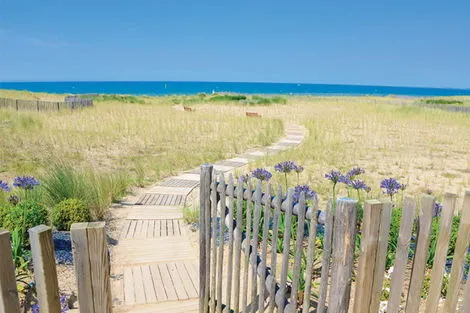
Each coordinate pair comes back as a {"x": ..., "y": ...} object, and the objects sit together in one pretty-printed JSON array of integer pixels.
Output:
[{"x": 155, "y": 266}]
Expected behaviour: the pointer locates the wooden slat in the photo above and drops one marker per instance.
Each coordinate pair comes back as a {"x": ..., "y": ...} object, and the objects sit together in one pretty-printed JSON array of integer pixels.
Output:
[
  {"x": 132, "y": 229},
  {"x": 440, "y": 257},
  {"x": 187, "y": 282},
  {"x": 237, "y": 246},
  {"x": 280, "y": 300},
  {"x": 381, "y": 258},
  {"x": 247, "y": 243},
  {"x": 158, "y": 228},
  {"x": 220, "y": 260},
  {"x": 167, "y": 282},
  {"x": 276, "y": 215},
  {"x": 177, "y": 282},
  {"x": 158, "y": 283},
  {"x": 254, "y": 246},
  {"x": 298, "y": 252},
  {"x": 264, "y": 249},
  {"x": 367, "y": 258},
  {"x": 456, "y": 274},
  {"x": 138, "y": 285},
  {"x": 149, "y": 288},
  {"x": 45, "y": 272},
  {"x": 192, "y": 271},
  {"x": 310, "y": 259},
  {"x": 129, "y": 290},
  {"x": 213, "y": 256},
  {"x": 125, "y": 228},
  {"x": 325, "y": 268},
  {"x": 342, "y": 254},
  {"x": 230, "y": 192},
  {"x": 169, "y": 226},
  {"x": 151, "y": 229},
  {"x": 401, "y": 258},
  {"x": 9, "y": 302},
  {"x": 145, "y": 227},
  {"x": 420, "y": 258}
]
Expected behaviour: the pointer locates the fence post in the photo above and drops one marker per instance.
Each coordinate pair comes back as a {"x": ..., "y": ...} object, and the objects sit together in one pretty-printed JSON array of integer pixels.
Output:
[
  {"x": 204, "y": 236},
  {"x": 342, "y": 255},
  {"x": 92, "y": 267},
  {"x": 16, "y": 103},
  {"x": 45, "y": 272},
  {"x": 9, "y": 302}
]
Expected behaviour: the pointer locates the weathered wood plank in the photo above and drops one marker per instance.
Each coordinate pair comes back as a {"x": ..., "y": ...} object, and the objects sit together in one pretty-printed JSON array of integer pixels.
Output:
[
  {"x": 220, "y": 261},
  {"x": 45, "y": 272},
  {"x": 213, "y": 256},
  {"x": 177, "y": 282},
  {"x": 325, "y": 269},
  {"x": 9, "y": 302},
  {"x": 342, "y": 255},
  {"x": 230, "y": 192},
  {"x": 170, "y": 289},
  {"x": 247, "y": 243},
  {"x": 276, "y": 215},
  {"x": 310, "y": 258},
  {"x": 139, "y": 290},
  {"x": 204, "y": 242},
  {"x": 191, "y": 269},
  {"x": 158, "y": 283},
  {"x": 254, "y": 246},
  {"x": 456, "y": 274},
  {"x": 237, "y": 246},
  {"x": 149, "y": 288},
  {"x": 419, "y": 261},
  {"x": 264, "y": 249},
  {"x": 402, "y": 251},
  {"x": 186, "y": 279}
]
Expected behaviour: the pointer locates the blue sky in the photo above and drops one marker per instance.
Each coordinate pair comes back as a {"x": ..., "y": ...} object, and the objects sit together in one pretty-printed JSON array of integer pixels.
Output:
[{"x": 399, "y": 43}]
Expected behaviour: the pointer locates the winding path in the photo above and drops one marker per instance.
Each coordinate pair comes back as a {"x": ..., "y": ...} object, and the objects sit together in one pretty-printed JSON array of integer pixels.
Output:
[{"x": 155, "y": 266}]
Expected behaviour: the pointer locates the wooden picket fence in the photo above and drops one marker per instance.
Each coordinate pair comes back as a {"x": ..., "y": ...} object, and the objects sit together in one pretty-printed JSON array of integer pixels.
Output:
[
  {"x": 246, "y": 274},
  {"x": 92, "y": 268},
  {"x": 69, "y": 103}
]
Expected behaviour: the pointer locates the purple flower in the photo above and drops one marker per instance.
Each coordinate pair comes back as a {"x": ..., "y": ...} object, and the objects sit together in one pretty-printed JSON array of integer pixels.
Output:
[
  {"x": 262, "y": 174},
  {"x": 437, "y": 209},
  {"x": 358, "y": 185},
  {"x": 25, "y": 182},
  {"x": 309, "y": 193},
  {"x": 286, "y": 167},
  {"x": 391, "y": 186},
  {"x": 345, "y": 180},
  {"x": 335, "y": 176},
  {"x": 64, "y": 305},
  {"x": 244, "y": 178},
  {"x": 355, "y": 172},
  {"x": 4, "y": 186},
  {"x": 299, "y": 169}
]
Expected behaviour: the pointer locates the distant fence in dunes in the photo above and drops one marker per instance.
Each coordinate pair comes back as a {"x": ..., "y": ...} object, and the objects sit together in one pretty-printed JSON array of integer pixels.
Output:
[{"x": 69, "y": 103}]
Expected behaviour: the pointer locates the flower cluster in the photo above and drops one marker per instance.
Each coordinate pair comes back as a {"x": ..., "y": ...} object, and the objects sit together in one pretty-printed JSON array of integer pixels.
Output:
[
  {"x": 350, "y": 179},
  {"x": 437, "y": 209},
  {"x": 359, "y": 185},
  {"x": 4, "y": 186},
  {"x": 335, "y": 176},
  {"x": 64, "y": 305},
  {"x": 309, "y": 193},
  {"x": 391, "y": 186},
  {"x": 287, "y": 167},
  {"x": 262, "y": 174},
  {"x": 355, "y": 172},
  {"x": 25, "y": 182}
]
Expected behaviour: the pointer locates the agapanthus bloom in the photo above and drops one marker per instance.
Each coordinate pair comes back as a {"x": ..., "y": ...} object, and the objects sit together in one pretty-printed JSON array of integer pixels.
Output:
[
  {"x": 309, "y": 193},
  {"x": 285, "y": 167},
  {"x": 262, "y": 174},
  {"x": 334, "y": 176},
  {"x": 437, "y": 209},
  {"x": 299, "y": 169},
  {"x": 358, "y": 185},
  {"x": 355, "y": 172},
  {"x": 345, "y": 180},
  {"x": 391, "y": 186},
  {"x": 25, "y": 182},
  {"x": 4, "y": 186}
]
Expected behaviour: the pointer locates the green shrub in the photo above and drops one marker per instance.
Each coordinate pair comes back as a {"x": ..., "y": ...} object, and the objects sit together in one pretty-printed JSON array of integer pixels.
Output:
[
  {"x": 442, "y": 101},
  {"x": 190, "y": 215},
  {"x": 435, "y": 236},
  {"x": 70, "y": 211},
  {"x": 227, "y": 98},
  {"x": 3, "y": 213}
]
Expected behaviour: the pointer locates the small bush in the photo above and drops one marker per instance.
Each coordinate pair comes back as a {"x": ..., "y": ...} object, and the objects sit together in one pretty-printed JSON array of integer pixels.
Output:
[
  {"x": 190, "y": 215},
  {"x": 227, "y": 98},
  {"x": 70, "y": 211},
  {"x": 442, "y": 101},
  {"x": 3, "y": 213},
  {"x": 117, "y": 98}
]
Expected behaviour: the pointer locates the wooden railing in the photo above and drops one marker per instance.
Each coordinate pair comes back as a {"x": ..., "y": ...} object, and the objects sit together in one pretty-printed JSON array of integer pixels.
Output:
[
  {"x": 239, "y": 225},
  {"x": 91, "y": 262},
  {"x": 69, "y": 103}
]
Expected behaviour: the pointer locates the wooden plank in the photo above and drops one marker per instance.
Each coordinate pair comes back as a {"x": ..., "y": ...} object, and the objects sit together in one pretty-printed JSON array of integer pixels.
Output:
[
  {"x": 191, "y": 290},
  {"x": 310, "y": 258},
  {"x": 158, "y": 283},
  {"x": 151, "y": 229},
  {"x": 254, "y": 245},
  {"x": 298, "y": 252},
  {"x": 129, "y": 294},
  {"x": 191, "y": 268},
  {"x": 9, "y": 302},
  {"x": 99, "y": 267},
  {"x": 169, "y": 226},
  {"x": 264, "y": 249},
  {"x": 247, "y": 243},
  {"x": 167, "y": 282},
  {"x": 139, "y": 290},
  {"x": 367, "y": 258},
  {"x": 132, "y": 228},
  {"x": 220, "y": 255},
  {"x": 440, "y": 257},
  {"x": 461, "y": 246},
  {"x": 45, "y": 272},
  {"x": 401, "y": 258},
  {"x": 213, "y": 256},
  {"x": 342, "y": 254},
  {"x": 177, "y": 282},
  {"x": 285, "y": 254},
  {"x": 158, "y": 228},
  {"x": 325, "y": 268},
  {"x": 149, "y": 288},
  {"x": 230, "y": 192},
  {"x": 420, "y": 258},
  {"x": 145, "y": 228},
  {"x": 276, "y": 215},
  {"x": 125, "y": 229},
  {"x": 81, "y": 260}
]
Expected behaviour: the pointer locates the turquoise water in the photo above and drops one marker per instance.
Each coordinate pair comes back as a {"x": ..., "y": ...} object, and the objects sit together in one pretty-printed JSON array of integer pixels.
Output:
[{"x": 168, "y": 88}]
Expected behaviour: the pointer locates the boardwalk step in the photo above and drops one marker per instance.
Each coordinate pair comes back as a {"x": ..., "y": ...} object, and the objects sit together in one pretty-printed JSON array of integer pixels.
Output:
[
  {"x": 160, "y": 199},
  {"x": 134, "y": 229}
]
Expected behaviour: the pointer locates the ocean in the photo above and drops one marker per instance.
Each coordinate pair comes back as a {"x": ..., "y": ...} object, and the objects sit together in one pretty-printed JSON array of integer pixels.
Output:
[{"x": 182, "y": 88}]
